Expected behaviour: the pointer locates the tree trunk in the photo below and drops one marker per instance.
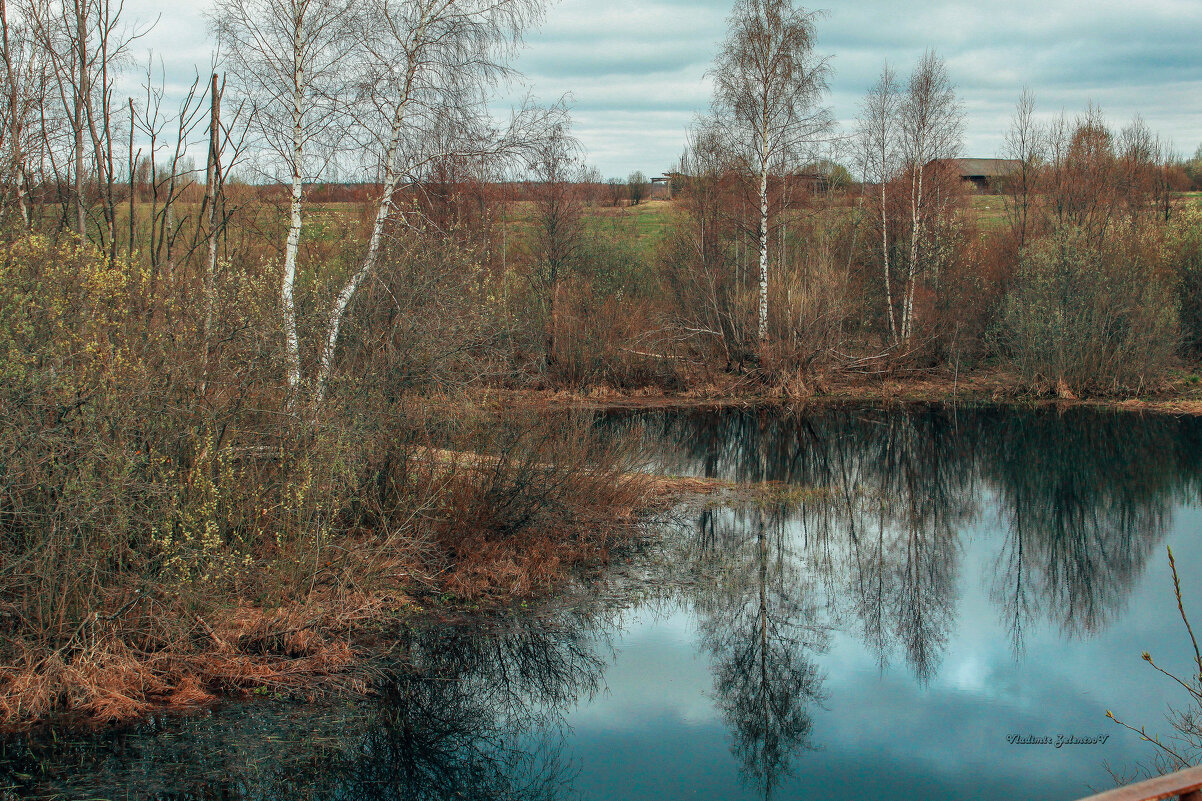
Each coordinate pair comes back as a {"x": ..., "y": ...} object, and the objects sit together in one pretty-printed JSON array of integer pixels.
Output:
[
  {"x": 763, "y": 330},
  {"x": 78, "y": 121},
  {"x": 288, "y": 287},
  {"x": 391, "y": 179},
  {"x": 885, "y": 255},
  {"x": 214, "y": 178},
  {"x": 915, "y": 235}
]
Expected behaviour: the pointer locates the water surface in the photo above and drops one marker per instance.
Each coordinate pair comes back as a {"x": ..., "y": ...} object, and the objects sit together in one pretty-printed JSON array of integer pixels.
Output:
[{"x": 918, "y": 587}]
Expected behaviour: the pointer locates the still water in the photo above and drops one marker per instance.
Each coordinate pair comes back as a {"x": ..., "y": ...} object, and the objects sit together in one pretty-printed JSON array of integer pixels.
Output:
[{"x": 918, "y": 588}]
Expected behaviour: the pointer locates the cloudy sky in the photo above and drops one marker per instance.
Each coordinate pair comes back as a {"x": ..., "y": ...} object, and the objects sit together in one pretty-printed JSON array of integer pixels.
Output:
[{"x": 635, "y": 69}]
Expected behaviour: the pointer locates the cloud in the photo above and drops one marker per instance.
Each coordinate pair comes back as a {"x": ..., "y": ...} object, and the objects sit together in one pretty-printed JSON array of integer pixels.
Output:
[
  {"x": 647, "y": 61},
  {"x": 636, "y": 70}
]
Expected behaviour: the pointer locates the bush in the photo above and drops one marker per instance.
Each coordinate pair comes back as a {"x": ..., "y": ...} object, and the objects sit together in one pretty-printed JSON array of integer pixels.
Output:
[
  {"x": 1089, "y": 316},
  {"x": 1187, "y": 252}
]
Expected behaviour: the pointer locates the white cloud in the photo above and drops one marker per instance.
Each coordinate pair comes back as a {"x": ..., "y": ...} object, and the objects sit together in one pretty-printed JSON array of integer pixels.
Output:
[{"x": 635, "y": 69}]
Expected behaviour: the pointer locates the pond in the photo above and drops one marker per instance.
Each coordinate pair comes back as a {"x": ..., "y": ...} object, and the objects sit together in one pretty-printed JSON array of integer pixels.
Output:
[{"x": 919, "y": 598}]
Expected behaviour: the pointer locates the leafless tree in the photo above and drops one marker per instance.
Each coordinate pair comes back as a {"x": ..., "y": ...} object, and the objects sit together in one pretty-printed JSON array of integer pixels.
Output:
[
  {"x": 167, "y": 136},
  {"x": 617, "y": 191},
  {"x": 1024, "y": 143},
  {"x": 555, "y": 186},
  {"x": 932, "y": 130},
  {"x": 637, "y": 188},
  {"x": 290, "y": 57},
  {"x": 429, "y": 64},
  {"x": 25, "y": 82},
  {"x": 86, "y": 44},
  {"x": 768, "y": 85},
  {"x": 880, "y": 161}
]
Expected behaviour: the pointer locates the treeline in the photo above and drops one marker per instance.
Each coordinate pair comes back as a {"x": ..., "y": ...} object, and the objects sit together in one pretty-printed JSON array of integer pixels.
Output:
[{"x": 1082, "y": 279}]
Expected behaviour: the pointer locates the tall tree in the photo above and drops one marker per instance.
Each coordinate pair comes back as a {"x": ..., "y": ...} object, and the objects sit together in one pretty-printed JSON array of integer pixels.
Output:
[
  {"x": 932, "y": 130},
  {"x": 289, "y": 56},
  {"x": 768, "y": 86},
  {"x": 879, "y": 158},
  {"x": 1025, "y": 145},
  {"x": 555, "y": 187},
  {"x": 424, "y": 65},
  {"x": 637, "y": 187}
]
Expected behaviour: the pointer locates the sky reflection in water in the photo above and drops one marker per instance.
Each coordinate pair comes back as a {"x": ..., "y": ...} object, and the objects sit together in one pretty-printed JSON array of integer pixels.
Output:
[{"x": 945, "y": 580}]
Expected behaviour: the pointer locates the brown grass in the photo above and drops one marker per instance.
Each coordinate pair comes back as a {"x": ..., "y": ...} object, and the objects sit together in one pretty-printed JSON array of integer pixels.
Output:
[{"x": 510, "y": 522}]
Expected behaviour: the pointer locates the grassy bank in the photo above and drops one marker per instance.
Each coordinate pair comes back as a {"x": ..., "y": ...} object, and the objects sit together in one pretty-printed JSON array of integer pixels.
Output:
[
  {"x": 292, "y": 614},
  {"x": 1181, "y": 393}
]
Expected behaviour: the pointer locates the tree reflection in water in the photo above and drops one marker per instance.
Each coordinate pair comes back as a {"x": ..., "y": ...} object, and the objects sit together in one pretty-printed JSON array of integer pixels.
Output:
[
  {"x": 758, "y": 621},
  {"x": 479, "y": 716},
  {"x": 1084, "y": 497}
]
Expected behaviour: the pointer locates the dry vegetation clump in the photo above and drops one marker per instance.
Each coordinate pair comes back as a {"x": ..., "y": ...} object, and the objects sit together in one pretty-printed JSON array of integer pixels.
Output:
[
  {"x": 282, "y": 609},
  {"x": 170, "y": 530}
]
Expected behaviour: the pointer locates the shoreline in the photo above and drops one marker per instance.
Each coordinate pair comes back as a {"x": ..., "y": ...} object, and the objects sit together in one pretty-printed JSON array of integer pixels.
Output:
[
  {"x": 1182, "y": 398},
  {"x": 324, "y": 646}
]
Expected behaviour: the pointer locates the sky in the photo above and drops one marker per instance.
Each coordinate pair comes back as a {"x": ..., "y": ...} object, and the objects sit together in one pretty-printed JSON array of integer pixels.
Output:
[{"x": 635, "y": 71}]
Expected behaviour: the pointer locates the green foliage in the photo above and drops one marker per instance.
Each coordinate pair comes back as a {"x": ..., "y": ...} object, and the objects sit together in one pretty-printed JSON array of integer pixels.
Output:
[{"x": 1085, "y": 315}]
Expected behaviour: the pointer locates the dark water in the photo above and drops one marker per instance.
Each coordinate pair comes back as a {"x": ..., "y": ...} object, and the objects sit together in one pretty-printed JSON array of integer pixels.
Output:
[{"x": 922, "y": 585}]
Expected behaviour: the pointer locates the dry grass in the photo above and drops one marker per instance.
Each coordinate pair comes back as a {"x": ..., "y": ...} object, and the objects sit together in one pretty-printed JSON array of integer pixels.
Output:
[{"x": 535, "y": 498}]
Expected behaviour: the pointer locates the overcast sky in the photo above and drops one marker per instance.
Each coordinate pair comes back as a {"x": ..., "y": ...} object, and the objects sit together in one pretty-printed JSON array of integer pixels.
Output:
[{"x": 635, "y": 69}]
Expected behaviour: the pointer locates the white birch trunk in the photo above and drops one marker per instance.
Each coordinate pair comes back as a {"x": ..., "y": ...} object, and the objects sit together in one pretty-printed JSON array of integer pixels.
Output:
[
  {"x": 885, "y": 255},
  {"x": 81, "y": 222},
  {"x": 763, "y": 333},
  {"x": 213, "y": 177},
  {"x": 915, "y": 235},
  {"x": 288, "y": 286},
  {"x": 391, "y": 179}
]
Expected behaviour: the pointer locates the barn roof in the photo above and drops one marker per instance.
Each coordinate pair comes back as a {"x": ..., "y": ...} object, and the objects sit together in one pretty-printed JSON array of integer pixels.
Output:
[{"x": 984, "y": 168}]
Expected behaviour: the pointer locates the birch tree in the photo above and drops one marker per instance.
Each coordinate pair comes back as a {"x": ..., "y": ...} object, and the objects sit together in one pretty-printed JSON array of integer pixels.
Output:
[
  {"x": 768, "y": 85},
  {"x": 428, "y": 64},
  {"x": 24, "y": 78},
  {"x": 878, "y": 143},
  {"x": 290, "y": 57},
  {"x": 555, "y": 187},
  {"x": 932, "y": 129},
  {"x": 1024, "y": 144}
]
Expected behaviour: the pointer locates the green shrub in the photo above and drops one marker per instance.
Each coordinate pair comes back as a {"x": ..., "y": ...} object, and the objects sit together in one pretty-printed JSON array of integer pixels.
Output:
[{"x": 1089, "y": 316}]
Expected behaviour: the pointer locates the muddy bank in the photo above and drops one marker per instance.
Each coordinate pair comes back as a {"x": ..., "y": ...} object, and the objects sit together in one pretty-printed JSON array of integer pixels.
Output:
[{"x": 1181, "y": 396}]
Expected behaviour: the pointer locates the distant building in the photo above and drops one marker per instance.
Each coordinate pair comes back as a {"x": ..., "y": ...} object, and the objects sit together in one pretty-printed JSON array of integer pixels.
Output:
[
  {"x": 983, "y": 174},
  {"x": 661, "y": 188}
]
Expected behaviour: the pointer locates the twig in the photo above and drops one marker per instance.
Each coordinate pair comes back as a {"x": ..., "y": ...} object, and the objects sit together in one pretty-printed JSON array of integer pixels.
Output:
[{"x": 1181, "y": 609}]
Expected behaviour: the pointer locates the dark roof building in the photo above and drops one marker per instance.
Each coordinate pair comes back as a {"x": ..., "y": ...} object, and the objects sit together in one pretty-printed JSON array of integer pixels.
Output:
[{"x": 981, "y": 173}]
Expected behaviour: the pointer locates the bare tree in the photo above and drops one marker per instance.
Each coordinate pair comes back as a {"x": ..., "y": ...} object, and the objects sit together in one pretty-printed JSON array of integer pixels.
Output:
[
  {"x": 617, "y": 191},
  {"x": 24, "y": 80},
  {"x": 168, "y": 134},
  {"x": 1025, "y": 145},
  {"x": 290, "y": 57},
  {"x": 879, "y": 160},
  {"x": 429, "y": 64},
  {"x": 932, "y": 130},
  {"x": 556, "y": 172},
  {"x": 637, "y": 188},
  {"x": 768, "y": 84},
  {"x": 86, "y": 43}
]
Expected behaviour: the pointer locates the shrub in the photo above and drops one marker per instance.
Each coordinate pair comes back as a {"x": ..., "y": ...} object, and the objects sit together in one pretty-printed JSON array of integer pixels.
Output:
[
  {"x": 1187, "y": 252},
  {"x": 1089, "y": 316}
]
